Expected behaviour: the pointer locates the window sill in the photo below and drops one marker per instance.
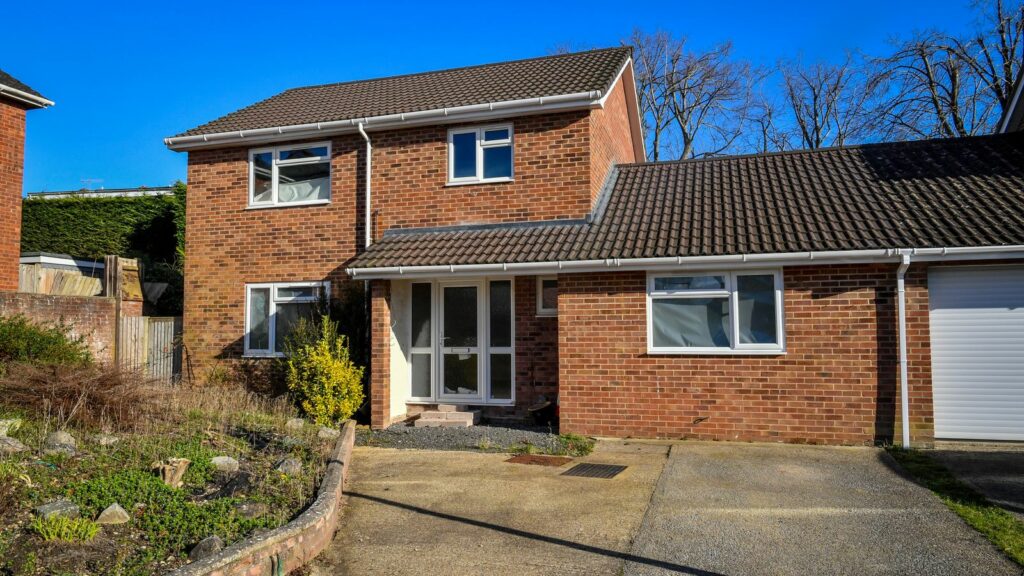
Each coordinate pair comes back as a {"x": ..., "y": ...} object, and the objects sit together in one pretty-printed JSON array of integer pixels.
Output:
[
  {"x": 714, "y": 352},
  {"x": 547, "y": 314},
  {"x": 267, "y": 355},
  {"x": 472, "y": 182},
  {"x": 422, "y": 402},
  {"x": 287, "y": 205}
]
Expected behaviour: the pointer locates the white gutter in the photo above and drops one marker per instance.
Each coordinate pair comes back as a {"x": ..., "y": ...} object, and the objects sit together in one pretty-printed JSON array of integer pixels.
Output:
[
  {"x": 901, "y": 303},
  {"x": 693, "y": 262},
  {"x": 473, "y": 112},
  {"x": 25, "y": 97},
  {"x": 369, "y": 173}
]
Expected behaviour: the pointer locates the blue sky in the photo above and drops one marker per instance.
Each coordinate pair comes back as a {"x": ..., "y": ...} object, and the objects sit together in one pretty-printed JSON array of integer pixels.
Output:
[{"x": 126, "y": 75}]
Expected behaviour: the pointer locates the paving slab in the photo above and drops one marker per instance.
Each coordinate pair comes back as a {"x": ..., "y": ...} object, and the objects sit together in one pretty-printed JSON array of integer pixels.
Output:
[{"x": 723, "y": 508}]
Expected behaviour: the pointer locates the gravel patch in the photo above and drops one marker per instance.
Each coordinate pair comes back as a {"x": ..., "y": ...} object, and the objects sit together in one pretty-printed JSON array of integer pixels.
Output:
[{"x": 480, "y": 438}]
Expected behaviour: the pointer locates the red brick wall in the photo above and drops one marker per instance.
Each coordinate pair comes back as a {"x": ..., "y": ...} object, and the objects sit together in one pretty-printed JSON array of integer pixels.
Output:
[
  {"x": 89, "y": 317},
  {"x": 12, "y": 160},
  {"x": 536, "y": 347},
  {"x": 380, "y": 354},
  {"x": 837, "y": 384},
  {"x": 610, "y": 135}
]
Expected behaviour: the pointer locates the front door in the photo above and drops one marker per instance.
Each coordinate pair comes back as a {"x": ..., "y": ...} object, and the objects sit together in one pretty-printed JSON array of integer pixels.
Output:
[{"x": 460, "y": 341}]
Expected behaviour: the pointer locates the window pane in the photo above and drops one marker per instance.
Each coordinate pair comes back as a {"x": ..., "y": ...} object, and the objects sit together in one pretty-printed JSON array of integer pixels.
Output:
[
  {"x": 304, "y": 182},
  {"x": 464, "y": 155},
  {"x": 690, "y": 322},
  {"x": 300, "y": 153},
  {"x": 499, "y": 134},
  {"x": 287, "y": 317},
  {"x": 757, "y": 313},
  {"x": 460, "y": 374},
  {"x": 460, "y": 320},
  {"x": 289, "y": 292},
  {"x": 421, "y": 315},
  {"x": 259, "y": 318},
  {"x": 262, "y": 175},
  {"x": 672, "y": 283},
  {"x": 549, "y": 294},
  {"x": 421, "y": 376},
  {"x": 501, "y": 376},
  {"x": 498, "y": 162},
  {"x": 501, "y": 313}
]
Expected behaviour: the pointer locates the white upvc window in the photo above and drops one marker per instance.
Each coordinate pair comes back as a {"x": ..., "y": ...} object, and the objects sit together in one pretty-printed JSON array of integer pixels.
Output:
[
  {"x": 293, "y": 175},
  {"x": 273, "y": 309},
  {"x": 547, "y": 296},
  {"x": 738, "y": 312},
  {"x": 480, "y": 154}
]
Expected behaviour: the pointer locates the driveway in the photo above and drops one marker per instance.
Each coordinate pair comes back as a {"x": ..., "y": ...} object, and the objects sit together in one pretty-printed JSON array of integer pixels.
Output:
[{"x": 685, "y": 508}]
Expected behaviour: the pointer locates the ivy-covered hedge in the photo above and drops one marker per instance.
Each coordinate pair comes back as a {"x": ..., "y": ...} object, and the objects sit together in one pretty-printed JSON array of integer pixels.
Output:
[{"x": 136, "y": 227}]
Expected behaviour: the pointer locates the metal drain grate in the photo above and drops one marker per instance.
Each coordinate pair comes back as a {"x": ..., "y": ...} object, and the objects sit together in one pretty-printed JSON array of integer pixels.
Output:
[{"x": 594, "y": 470}]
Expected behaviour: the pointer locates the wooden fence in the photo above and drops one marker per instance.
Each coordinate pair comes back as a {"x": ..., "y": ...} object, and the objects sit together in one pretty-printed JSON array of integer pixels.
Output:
[{"x": 150, "y": 344}]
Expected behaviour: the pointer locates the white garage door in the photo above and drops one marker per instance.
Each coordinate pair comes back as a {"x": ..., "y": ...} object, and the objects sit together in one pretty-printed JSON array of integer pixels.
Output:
[{"x": 977, "y": 332}]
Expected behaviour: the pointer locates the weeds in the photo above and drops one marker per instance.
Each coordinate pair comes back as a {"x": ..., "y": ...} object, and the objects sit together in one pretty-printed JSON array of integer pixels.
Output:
[{"x": 64, "y": 529}]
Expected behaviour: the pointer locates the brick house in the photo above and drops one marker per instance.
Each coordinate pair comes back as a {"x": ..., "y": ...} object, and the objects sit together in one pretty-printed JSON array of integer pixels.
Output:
[
  {"x": 517, "y": 248},
  {"x": 15, "y": 99}
]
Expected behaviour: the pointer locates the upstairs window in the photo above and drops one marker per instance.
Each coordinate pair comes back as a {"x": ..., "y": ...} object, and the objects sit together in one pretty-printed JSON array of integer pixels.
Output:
[
  {"x": 481, "y": 154},
  {"x": 290, "y": 175}
]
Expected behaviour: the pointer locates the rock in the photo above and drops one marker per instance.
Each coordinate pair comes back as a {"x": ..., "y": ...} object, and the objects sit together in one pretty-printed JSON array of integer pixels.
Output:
[
  {"x": 225, "y": 464},
  {"x": 240, "y": 484},
  {"x": 289, "y": 442},
  {"x": 57, "y": 508},
  {"x": 9, "y": 425},
  {"x": 251, "y": 510},
  {"x": 289, "y": 466},
  {"x": 205, "y": 548},
  {"x": 11, "y": 446},
  {"x": 60, "y": 442},
  {"x": 114, "y": 514},
  {"x": 295, "y": 424},
  {"x": 172, "y": 470},
  {"x": 326, "y": 433},
  {"x": 106, "y": 439}
]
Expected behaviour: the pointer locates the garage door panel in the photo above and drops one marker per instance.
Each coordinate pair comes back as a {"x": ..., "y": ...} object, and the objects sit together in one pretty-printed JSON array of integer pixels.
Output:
[{"x": 977, "y": 340}]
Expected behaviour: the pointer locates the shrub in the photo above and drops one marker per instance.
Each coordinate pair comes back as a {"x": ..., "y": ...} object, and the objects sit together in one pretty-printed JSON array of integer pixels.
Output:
[
  {"x": 65, "y": 529},
  {"x": 321, "y": 378},
  {"x": 23, "y": 341}
]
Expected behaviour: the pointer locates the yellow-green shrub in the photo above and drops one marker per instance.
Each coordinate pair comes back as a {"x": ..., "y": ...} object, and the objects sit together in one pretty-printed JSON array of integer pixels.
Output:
[{"x": 322, "y": 378}]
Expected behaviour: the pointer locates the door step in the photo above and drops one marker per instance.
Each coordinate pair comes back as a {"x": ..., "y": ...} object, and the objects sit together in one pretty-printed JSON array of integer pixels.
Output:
[{"x": 461, "y": 418}]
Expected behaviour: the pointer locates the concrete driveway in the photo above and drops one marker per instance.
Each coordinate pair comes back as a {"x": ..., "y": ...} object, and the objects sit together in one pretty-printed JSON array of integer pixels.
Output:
[{"x": 685, "y": 508}]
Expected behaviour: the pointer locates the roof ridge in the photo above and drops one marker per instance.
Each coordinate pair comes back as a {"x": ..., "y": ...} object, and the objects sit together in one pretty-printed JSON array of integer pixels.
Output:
[{"x": 458, "y": 68}]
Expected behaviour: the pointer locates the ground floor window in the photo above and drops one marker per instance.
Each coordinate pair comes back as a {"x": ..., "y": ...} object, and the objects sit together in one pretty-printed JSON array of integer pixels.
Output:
[
  {"x": 462, "y": 338},
  {"x": 273, "y": 309},
  {"x": 715, "y": 312}
]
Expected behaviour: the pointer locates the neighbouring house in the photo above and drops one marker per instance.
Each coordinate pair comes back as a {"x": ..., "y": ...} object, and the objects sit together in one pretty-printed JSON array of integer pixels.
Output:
[
  {"x": 15, "y": 99},
  {"x": 517, "y": 247}
]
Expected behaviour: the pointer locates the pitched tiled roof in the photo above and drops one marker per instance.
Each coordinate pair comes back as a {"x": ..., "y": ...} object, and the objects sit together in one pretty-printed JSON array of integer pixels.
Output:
[
  {"x": 928, "y": 194},
  {"x": 12, "y": 82},
  {"x": 502, "y": 82}
]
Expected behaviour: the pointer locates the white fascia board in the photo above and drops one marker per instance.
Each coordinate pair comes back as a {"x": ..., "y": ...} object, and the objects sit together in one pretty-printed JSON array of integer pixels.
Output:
[
  {"x": 475, "y": 112},
  {"x": 738, "y": 261},
  {"x": 611, "y": 87},
  {"x": 25, "y": 97},
  {"x": 1004, "y": 126}
]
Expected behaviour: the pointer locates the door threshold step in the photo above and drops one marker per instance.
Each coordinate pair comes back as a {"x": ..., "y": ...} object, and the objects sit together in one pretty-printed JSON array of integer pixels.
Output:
[{"x": 437, "y": 418}]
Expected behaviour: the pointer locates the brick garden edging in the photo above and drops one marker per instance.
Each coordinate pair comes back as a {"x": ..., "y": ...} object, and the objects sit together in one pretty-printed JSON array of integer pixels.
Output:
[{"x": 290, "y": 546}]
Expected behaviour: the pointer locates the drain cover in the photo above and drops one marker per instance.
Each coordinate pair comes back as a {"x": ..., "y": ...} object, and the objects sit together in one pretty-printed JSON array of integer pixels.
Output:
[{"x": 594, "y": 470}]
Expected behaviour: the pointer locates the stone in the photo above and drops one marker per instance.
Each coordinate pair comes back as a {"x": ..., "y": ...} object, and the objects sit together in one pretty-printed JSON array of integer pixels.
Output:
[
  {"x": 114, "y": 514},
  {"x": 239, "y": 484},
  {"x": 225, "y": 464},
  {"x": 327, "y": 433},
  {"x": 289, "y": 442},
  {"x": 60, "y": 442},
  {"x": 205, "y": 548},
  {"x": 295, "y": 424},
  {"x": 289, "y": 466},
  {"x": 106, "y": 439},
  {"x": 11, "y": 446},
  {"x": 172, "y": 470},
  {"x": 9, "y": 425},
  {"x": 57, "y": 508},
  {"x": 250, "y": 510}
]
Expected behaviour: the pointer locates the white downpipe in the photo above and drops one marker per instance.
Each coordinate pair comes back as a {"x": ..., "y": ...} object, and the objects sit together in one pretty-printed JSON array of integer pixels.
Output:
[
  {"x": 902, "y": 307},
  {"x": 369, "y": 173}
]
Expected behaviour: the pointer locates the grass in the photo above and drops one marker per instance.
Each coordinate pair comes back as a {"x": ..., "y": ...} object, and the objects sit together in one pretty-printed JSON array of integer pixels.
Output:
[
  {"x": 997, "y": 525},
  {"x": 64, "y": 529},
  {"x": 561, "y": 445}
]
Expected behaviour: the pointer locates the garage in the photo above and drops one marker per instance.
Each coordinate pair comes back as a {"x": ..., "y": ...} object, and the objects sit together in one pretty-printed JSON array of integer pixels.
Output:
[{"x": 977, "y": 337}]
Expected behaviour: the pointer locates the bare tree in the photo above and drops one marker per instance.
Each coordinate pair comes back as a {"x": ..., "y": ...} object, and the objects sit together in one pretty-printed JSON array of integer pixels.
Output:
[
  {"x": 651, "y": 54},
  {"x": 766, "y": 126},
  {"x": 829, "y": 104},
  {"x": 994, "y": 53}
]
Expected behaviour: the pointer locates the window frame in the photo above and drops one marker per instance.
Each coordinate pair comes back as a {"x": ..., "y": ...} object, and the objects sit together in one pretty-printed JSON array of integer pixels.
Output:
[
  {"x": 481, "y": 145},
  {"x": 730, "y": 292},
  {"x": 276, "y": 163},
  {"x": 541, "y": 310},
  {"x": 274, "y": 300}
]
